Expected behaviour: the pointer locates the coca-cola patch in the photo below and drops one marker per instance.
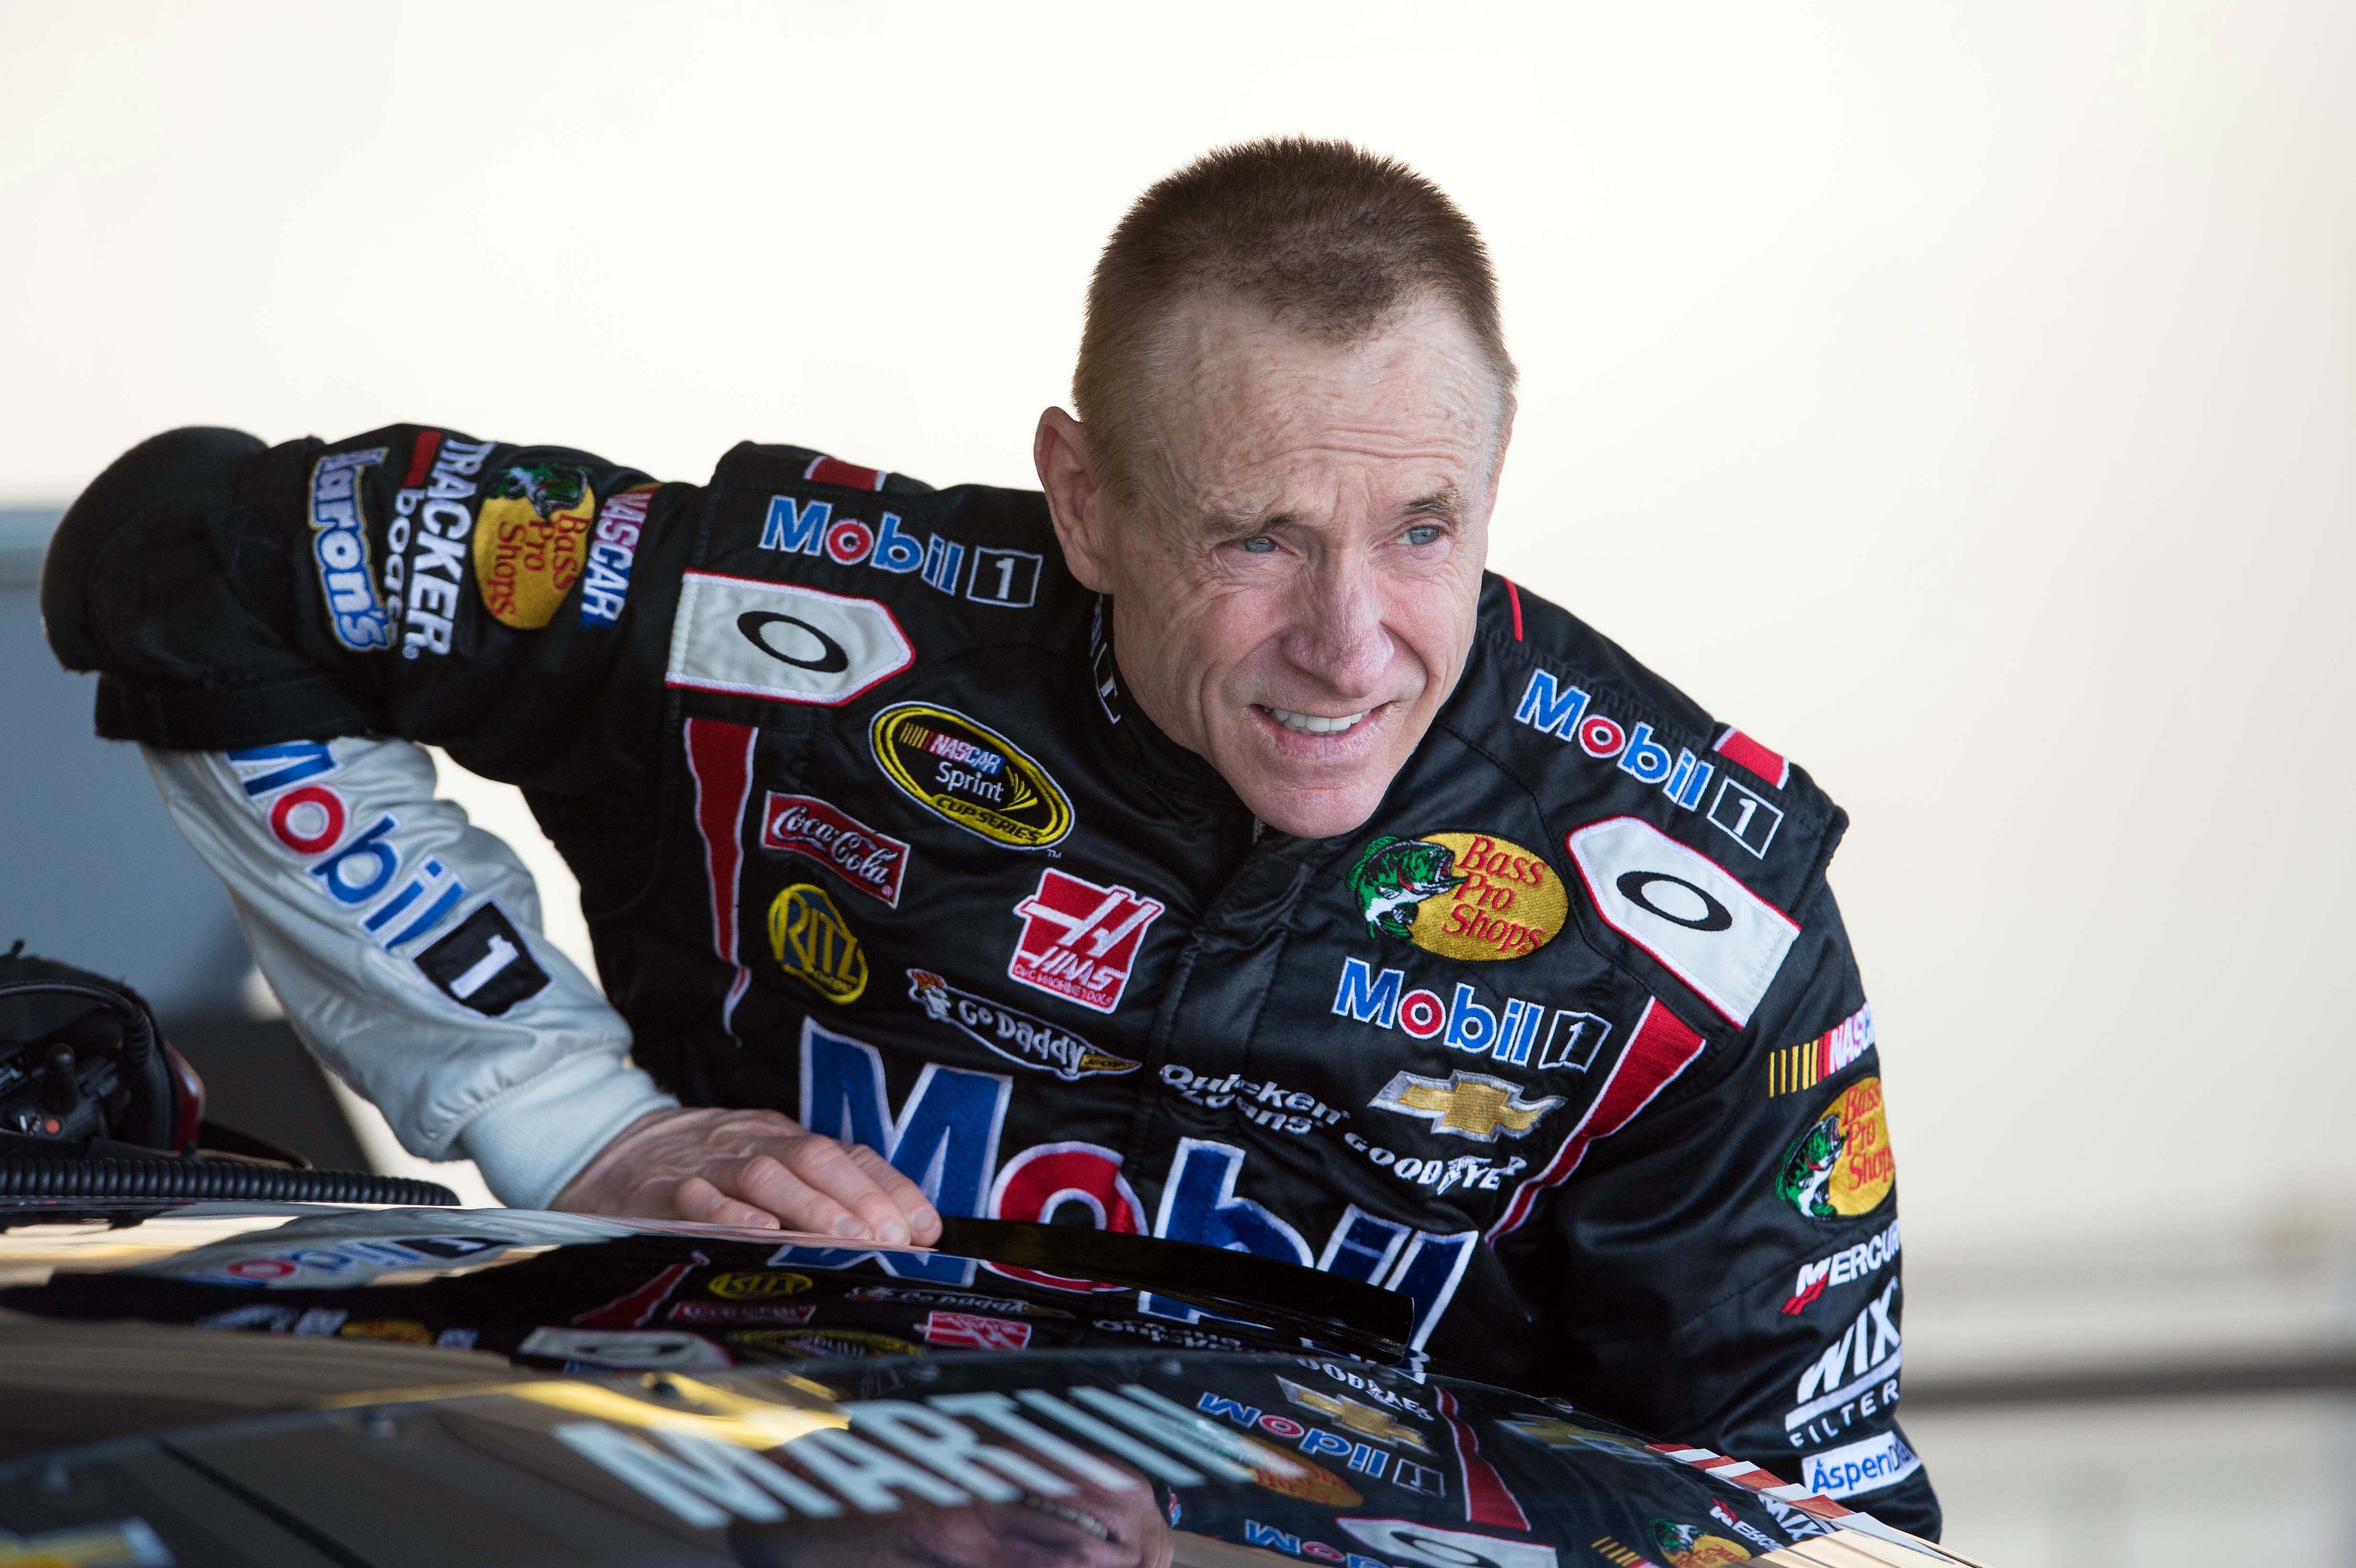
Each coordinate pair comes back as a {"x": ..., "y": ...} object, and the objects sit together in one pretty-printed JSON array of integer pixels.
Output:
[{"x": 803, "y": 825}]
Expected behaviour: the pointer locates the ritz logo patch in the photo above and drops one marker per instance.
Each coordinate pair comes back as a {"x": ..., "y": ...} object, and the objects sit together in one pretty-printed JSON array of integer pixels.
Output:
[
  {"x": 780, "y": 642},
  {"x": 1017, "y": 1036},
  {"x": 803, "y": 824},
  {"x": 484, "y": 963},
  {"x": 1079, "y": 941},
  {"x": 531, "y": 539},
  {"x": 1842, "y": 1166},
  {"x": 1467, "y": 896},
  {"x": 1685, "y": 910},
  {"x": 814, "y": 944},
  {"x": 964, "y": 772},
  {"x": 339, "y": 549}
]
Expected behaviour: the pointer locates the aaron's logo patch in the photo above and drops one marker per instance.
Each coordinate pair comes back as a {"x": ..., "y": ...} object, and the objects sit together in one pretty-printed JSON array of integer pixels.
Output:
[
  {"x": 813, "y": 943},
  {"x": 1463, "y": 895},
  {"x": 969, "y": 773},
  {"x": 531, "y": 539},
  {"x": 1842, "y": 1166}
]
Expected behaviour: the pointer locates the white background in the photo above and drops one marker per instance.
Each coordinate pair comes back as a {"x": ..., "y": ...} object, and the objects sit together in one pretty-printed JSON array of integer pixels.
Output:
[{"x": 1957, "y": 396}]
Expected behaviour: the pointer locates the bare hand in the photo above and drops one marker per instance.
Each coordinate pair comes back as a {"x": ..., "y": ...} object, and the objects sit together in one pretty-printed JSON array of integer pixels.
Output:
[{"x": 755, "y": 1169}]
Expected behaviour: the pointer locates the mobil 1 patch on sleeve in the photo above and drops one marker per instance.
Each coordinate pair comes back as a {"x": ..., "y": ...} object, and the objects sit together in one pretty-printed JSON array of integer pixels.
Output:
[{"x": 484, "y": 963}]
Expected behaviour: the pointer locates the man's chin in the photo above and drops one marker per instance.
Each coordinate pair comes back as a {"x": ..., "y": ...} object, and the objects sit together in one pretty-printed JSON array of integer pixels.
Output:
[{"x": 1316, "y": 811}]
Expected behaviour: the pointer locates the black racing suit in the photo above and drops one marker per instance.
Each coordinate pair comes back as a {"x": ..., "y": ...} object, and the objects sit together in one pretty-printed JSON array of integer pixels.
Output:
[{"x": 1565, "y": 1043}]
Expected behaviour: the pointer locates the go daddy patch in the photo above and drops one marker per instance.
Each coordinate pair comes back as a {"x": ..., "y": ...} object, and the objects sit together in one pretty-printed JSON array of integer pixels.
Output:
[{"x": 1468, "y": 896}]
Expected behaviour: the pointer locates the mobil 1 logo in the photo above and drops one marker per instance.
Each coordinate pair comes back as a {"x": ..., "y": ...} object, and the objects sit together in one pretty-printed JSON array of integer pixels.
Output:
[
  {"x": 1745, "y": 818},
  {"x": 1007, "y": 578},
  {"x": 484, "y": 965}
]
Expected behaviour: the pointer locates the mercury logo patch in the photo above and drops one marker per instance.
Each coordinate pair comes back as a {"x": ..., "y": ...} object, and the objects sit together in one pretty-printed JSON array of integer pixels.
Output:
[
  {"x": 1463, "y": 895},
  {"x": 780, "y": 642},
  {"x": 1685, "y": 910},
  {"x": 964, "y": 772}
]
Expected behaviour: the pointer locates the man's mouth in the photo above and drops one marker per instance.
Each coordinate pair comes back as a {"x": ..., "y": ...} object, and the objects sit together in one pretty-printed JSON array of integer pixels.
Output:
[{"x": 1313, "y": 723}]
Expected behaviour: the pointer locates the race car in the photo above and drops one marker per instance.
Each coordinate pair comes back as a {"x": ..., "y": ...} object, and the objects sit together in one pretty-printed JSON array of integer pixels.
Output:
[{"x": 208, "y": 1355}]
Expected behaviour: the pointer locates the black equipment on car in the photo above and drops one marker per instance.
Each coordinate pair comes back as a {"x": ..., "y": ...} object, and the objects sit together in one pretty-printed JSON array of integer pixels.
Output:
[{"x": 94, "y": 1102}]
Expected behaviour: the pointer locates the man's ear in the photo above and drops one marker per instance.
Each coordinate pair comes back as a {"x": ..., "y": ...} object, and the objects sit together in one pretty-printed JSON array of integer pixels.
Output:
[{"x": 1075, "y": 500}]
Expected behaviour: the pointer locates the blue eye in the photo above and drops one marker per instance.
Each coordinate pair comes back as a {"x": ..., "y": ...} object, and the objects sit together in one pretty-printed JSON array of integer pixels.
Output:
[
  {"x": 1259, "y": 544},
  {"x": 1423, "y": 533}
]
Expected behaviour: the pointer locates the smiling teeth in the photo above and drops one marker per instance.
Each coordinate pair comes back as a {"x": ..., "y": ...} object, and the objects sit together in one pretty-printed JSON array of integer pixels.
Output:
[{"x": 1311, "y": 724}]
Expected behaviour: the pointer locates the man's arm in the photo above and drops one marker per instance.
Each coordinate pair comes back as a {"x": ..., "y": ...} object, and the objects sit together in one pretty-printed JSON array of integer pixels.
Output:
[
  {"x": 272, "y": 624},
  {"x": 1730, "y": 1274}
]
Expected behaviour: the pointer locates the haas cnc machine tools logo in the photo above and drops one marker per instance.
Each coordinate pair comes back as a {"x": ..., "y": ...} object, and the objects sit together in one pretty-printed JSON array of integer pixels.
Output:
[{"x": 1079, "y": 941}]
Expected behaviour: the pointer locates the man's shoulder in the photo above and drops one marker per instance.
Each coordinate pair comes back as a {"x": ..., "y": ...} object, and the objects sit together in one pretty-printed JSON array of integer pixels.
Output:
[
  {"x": 807, "y": 514},
  {"x": 1636, "y": 781}
]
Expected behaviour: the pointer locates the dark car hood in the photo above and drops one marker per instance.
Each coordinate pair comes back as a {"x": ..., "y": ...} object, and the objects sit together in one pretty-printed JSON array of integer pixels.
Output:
[{"x": 324, "y": 1385}]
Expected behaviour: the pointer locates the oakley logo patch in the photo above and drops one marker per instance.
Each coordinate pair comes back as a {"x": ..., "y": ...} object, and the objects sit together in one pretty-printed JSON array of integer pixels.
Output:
[
  {"x": 781, "y": 643},
  {"x": 1689, "y": 913}
]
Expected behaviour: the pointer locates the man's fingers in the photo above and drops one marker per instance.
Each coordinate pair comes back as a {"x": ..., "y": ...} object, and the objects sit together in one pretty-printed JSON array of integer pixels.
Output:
[
  {"x": 830, "y": 1168},
  {"x": 696, "y": 1199},
  {"x": 801, "y": 1203},
  {"x": 924, "y": 1224}
]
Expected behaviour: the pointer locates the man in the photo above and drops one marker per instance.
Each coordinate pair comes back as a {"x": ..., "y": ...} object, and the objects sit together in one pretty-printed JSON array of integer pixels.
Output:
[{"x": 1207, "y": 847}]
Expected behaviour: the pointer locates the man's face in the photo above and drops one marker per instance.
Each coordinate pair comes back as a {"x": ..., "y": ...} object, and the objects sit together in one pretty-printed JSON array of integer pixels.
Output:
[{"x": 1295, "y": 582}]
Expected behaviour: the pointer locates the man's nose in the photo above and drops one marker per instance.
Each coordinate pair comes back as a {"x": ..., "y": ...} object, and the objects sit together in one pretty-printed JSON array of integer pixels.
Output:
[{"x": 1338, "y": 637}]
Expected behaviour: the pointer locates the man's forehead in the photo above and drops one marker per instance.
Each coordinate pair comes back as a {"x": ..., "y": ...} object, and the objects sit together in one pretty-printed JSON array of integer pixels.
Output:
[{"x": 1249, "y": 412}]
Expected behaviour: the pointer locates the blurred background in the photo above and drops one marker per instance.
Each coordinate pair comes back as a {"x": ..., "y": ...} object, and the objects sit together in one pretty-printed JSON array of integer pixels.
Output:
[{"x": 1957, "y": 396}]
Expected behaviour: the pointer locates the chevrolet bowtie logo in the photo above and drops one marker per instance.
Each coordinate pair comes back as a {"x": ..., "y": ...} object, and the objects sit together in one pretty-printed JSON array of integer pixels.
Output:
[
  {"x": 1470, "y": 1104},
  {"x": 1363, "y": 1419}
]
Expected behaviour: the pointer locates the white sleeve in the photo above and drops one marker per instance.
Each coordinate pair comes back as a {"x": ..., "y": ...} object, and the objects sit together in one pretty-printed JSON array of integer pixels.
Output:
[{"x": 406, "y": 947}]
